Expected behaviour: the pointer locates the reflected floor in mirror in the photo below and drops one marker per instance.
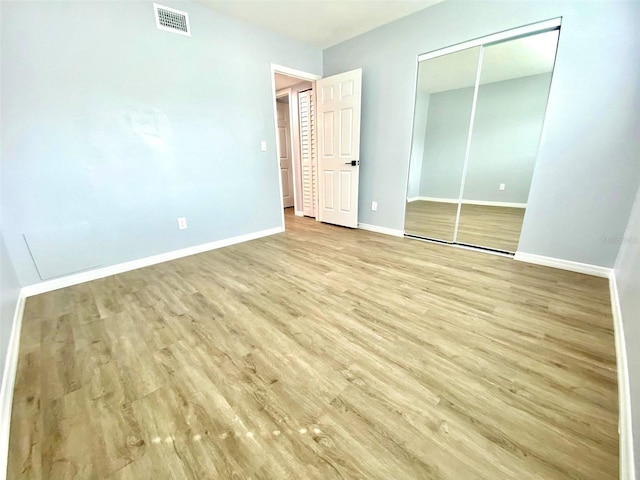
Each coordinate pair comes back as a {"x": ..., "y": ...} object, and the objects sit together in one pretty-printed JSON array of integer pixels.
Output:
[
  {"x": 481, "y": 225},
  {"x": 491, "y": 227},
  {"x": 431, "y": 219}
]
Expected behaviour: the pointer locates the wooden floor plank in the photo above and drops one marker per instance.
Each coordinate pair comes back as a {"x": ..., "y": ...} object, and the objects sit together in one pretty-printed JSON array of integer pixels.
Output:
[{"x": 320, "y": 353}]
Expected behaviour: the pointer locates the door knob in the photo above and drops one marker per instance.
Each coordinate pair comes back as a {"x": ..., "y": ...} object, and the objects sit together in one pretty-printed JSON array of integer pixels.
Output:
[{"x": 353, "y": 163}]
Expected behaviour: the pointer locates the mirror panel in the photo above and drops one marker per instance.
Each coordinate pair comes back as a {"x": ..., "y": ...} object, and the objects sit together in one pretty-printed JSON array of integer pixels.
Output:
[
  {"x": 512, "y": 97},
  {"x": 444, "y": 99}
]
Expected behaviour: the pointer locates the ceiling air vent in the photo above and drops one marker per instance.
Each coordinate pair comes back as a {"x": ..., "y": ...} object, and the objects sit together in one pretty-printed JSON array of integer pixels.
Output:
[{"x": 172, "y": 20}]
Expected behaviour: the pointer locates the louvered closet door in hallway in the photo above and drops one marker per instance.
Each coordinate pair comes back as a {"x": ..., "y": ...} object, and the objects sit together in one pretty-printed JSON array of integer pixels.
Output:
[{"x": 306, "y": 102}]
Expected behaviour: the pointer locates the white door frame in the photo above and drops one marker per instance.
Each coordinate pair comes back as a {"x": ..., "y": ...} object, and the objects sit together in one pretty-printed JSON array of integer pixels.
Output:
[{"x": 303, "y": 76}]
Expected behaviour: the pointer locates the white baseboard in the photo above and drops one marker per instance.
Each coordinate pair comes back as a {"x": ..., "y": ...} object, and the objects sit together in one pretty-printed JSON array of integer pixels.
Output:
[
  {"x": 627, "y": 465},
  {"x": 90, "y": 275},
  {"x": 8, "y": 383},
  {"x": 434, "y": 199},
  {"x": 299, "y": 213},
  {"x": 586, "y": 268},
  {"x": 378, "y": 229},
  {"x": 468, "y": 202},
  {"x": 494, "y": 204}
]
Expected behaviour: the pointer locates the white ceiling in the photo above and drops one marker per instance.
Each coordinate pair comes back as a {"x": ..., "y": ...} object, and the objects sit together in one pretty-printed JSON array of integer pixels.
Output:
[
  {"x": 321, "y": 23},
  {"x": 503, "y": 61}
]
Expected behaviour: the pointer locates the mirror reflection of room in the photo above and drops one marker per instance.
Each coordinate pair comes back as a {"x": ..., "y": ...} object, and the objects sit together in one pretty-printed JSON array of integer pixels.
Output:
[
  {"x": 472, "y": 159},
  {"x": 444, "y": 99}
]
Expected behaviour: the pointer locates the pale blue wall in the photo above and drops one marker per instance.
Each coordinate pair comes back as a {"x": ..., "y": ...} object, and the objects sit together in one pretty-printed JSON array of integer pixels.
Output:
[
  {"x": 78, "y": 81},
  {"x": 445, "y": 143},
  {"x": 627, "y": 272},
  {"x": 586, "y": 173},
  {"x": 506, "y": 134},
  {"x": 420, "y": 115}
]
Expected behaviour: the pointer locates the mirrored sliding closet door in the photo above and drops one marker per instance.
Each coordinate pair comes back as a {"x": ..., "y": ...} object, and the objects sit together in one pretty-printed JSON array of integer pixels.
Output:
[
  {"x": 478, "y": 119},
  {"x": 444, "y": 99}
]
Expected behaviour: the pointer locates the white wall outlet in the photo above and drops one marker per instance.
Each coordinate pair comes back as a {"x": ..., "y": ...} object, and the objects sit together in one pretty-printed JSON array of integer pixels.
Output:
[
  {"x": 182, "y": 223},
  {"x": 263, "y": 146},
  {"x": 502, "y": 186},
  {"x": 374, "y": 206}
]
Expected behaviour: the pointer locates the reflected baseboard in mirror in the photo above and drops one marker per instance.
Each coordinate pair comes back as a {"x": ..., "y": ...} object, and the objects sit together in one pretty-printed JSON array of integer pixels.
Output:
[
  {"x": 478, "y": 116},
  {"x": 483, "y": 226},
  {"x": 431, "y": 219},
  {"x": 496, "y": 228}
]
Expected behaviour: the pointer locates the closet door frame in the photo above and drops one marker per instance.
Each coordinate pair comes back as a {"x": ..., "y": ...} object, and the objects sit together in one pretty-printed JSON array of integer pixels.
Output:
[
  {"x": 512, "y": 34},
  {"x": 507, "y": 35}
]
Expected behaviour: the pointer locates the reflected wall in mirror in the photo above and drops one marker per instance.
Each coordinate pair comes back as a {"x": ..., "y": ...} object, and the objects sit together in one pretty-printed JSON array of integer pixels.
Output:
[
  {"x": 476, "y": 139},
  {"x": 444, "y": 99},
  {"x": 511, "y": 102}
]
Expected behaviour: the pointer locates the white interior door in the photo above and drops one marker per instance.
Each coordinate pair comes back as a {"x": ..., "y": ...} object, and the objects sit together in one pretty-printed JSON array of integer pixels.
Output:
[
  {"x": 284, "y": 153},
  {"x": 338, "y": 108}
]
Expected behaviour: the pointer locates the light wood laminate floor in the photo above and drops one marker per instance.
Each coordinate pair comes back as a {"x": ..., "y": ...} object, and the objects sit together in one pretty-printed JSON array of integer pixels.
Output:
[
  {"x": 493, "y": 227},
  {"x": 481, "y": 225},
  {"x": 431, "y": 219},
  {"x": 320, "y": 353}
]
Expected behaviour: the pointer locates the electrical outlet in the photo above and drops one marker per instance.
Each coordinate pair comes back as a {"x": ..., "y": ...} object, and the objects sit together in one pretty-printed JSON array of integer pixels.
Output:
[
  {"x": 182, "y": 223},
  {"x": 502, "y": 186},
  {"x": 374, "y": 206},
  {"x": 263, "y": 146}
]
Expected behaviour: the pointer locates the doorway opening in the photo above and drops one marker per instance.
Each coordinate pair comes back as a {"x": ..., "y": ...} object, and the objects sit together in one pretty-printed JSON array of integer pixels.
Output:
[
  {"x": 294, "y": 110},
  {"x": 324, "y": 144}
]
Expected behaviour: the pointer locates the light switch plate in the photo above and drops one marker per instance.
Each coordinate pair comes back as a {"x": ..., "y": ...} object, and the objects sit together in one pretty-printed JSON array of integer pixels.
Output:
[{"x": 263, "y": 146}]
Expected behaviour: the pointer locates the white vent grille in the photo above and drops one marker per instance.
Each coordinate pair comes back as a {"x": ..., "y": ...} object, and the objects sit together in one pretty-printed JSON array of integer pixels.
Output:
[{"x": 172, "y": 20}]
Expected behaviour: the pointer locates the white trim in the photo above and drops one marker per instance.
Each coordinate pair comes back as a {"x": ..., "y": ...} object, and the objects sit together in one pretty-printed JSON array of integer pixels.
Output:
[
  {"x": 378, "y": 229},
  {"x": 433, "y": 199},
  {"x": 275, "y": 132},
  {"x": 8, "y": 383},
  {"x": 156, "y": 6},
  {"x": 298, "y": 213},
  {"x": 496, "y": 37},
  {"x": 494, "y": 204},
  {"x": 585, "y": 268},
  {"x": 90, "y": 275},
  {"x": 292, "y": 72},
  {"x": 627, "y": 465},
  {"x": 469, "y": 202}
]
